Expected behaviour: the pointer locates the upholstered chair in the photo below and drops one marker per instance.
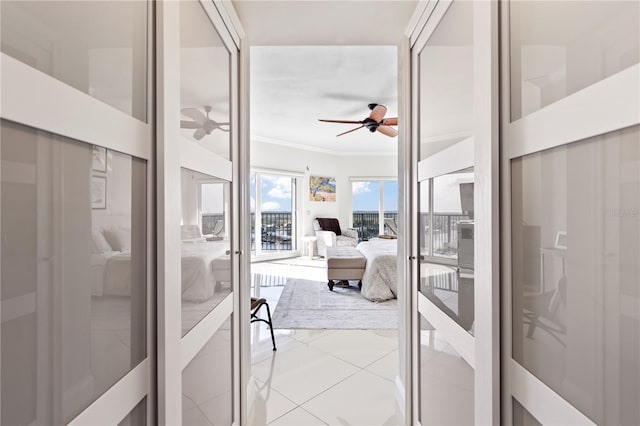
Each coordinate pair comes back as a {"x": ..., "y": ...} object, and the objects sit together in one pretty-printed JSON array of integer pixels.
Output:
[{"x": 330, "y": 234}]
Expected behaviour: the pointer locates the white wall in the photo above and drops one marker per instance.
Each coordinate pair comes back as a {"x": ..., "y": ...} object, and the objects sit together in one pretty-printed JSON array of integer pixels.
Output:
[{"x": 279, "y": 157}]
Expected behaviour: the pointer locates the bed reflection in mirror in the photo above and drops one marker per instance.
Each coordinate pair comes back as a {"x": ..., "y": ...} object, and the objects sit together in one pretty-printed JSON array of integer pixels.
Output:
[{"x": 205, "y": 245}]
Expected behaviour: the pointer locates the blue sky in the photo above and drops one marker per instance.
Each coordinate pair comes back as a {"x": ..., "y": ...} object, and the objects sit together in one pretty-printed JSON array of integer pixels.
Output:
[
  {"x": 276, "y": 193},
  {"x": 366, "y": 194}
]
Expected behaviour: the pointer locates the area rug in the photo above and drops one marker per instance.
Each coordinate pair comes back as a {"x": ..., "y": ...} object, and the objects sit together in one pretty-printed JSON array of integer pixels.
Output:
[{"x": 306, "y": 304}]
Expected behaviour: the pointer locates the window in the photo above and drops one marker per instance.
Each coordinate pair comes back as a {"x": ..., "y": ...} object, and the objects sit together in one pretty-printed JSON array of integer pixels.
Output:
[{"x": 373, "y": 201}]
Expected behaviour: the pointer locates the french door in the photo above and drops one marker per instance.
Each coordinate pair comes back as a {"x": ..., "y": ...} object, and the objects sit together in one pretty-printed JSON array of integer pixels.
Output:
[
  {"x": 454, "y": 214},
  {"x": 199, "y": 242},
  {"x": 77, "y": 228},
  {"x": 570, "y": 191}
]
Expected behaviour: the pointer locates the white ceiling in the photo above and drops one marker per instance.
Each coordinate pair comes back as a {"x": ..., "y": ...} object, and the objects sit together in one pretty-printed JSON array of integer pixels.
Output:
[{"x": 323, "y": 59}]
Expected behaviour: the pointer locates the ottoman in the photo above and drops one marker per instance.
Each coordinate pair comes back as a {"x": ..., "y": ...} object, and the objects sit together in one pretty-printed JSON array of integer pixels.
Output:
[{"x": 344, "y": 263}]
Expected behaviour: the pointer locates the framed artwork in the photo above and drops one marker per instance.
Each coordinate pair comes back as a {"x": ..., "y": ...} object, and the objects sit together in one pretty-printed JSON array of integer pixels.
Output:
[
  {"x": 99, "y": 192},
  {"x": 322, "y": 188},
  {"x": 99, "y": 159}
]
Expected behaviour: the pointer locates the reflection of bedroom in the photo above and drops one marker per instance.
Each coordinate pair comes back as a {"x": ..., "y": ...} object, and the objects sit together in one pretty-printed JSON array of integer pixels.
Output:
[{"x": 206, "y": 264}]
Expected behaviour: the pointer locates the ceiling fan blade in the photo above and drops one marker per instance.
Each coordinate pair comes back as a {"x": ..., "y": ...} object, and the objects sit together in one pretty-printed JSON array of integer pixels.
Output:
[
  {"x": 341, "y": 121},
  {"x": 349, "y": 131},
  {"x": 378, "y": 113},
  {"x": 194, "y": 114},
  {"x": 189, "y": 124},
  {"x": 199, "y": 134},
  {"x": 390, "y": 121},
  {"x": 386, "y": 130}
]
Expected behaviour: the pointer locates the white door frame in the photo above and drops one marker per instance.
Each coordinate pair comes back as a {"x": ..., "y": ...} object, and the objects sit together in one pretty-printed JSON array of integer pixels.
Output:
[{"x": 482, "y": 351}]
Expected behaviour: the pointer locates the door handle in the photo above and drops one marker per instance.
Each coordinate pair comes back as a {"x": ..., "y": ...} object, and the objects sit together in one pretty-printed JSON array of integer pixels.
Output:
[{"x": 238, "y": 252}]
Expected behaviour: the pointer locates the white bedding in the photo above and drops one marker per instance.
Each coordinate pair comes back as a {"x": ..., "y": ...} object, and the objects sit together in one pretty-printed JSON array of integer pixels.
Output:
[
  {"x": 380, "y": 279},
  {"x": 203, "y": 264},
  {"x": 111, "y": 273}
]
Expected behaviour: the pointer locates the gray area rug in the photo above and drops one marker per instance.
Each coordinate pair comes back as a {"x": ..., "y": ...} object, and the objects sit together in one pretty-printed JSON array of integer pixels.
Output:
[{"x": 311, "y": 305}]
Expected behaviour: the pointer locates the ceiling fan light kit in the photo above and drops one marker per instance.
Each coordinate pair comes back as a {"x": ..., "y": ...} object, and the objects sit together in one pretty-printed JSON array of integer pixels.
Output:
[{"x": 374, "y": 122}]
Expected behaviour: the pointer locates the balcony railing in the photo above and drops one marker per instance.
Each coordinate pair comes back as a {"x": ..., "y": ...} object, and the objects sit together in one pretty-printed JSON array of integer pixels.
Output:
[
  {"x": 276, "y": 229},
  {"x": 367, "y": 223},
  {"x": 275, "y": 232},
  {"x": 209, "y": 221},
  {"x": 445, "y": 233}
]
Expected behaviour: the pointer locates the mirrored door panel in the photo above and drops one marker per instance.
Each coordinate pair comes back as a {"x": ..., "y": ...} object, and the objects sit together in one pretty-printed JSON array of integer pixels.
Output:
[
  {"x": 74, "y": 273},
  {"x": 576, "y": 281},
  {"x": 205, "y": 82}
]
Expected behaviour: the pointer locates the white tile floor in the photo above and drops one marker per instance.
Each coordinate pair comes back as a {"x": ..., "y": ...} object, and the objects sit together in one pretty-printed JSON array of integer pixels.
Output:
[{"x": 320, "y": 377}]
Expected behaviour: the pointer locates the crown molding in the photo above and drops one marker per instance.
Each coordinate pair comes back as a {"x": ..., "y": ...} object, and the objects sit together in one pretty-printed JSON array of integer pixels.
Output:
[{"x": 303, "y": 147}]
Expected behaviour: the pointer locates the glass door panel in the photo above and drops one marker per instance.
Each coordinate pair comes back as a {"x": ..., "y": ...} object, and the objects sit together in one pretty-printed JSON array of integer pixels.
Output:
[
  {"x": 207, "y": 382},
  {"x": 205, "y": 82},
  {"x": 74, "y": 273},
  {"x": 446, "y": 381},
  {"x": 575, "y": 272},
  {"x": 452, "y": 205},
  {"x": 205, "y": 261},
  {"x": 446, "y": 82},
  {"x": 560, "y": 47},
  {"x": 75, "y": 42}
]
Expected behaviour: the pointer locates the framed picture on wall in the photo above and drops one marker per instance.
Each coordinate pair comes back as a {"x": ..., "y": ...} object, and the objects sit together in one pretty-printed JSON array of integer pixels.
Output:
[
  {"x": 99, "y": 159},
  {"x": 99, "y": 192},
  {"x": 322, "y": 188}
]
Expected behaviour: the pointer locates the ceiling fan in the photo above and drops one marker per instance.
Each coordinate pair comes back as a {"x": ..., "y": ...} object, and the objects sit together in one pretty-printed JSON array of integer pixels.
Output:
[
  {"x": 203, "y": 125},
  {"x": 375, "y": 121}
]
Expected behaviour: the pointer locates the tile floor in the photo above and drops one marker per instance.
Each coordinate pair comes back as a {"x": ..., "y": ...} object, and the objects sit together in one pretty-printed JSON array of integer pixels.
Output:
[{"x": 319, "y": 377}]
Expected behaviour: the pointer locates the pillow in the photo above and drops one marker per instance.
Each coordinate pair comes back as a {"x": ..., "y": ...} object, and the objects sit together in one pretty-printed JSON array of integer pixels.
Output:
[
  {"x": 119, "y": 238},
  {"x": 329, "y": 224},
  {"x": 100, "y": 243}
]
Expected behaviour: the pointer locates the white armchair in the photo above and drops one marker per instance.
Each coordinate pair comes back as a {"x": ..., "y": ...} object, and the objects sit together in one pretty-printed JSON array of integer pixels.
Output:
[{"x": 330, "y": 238}]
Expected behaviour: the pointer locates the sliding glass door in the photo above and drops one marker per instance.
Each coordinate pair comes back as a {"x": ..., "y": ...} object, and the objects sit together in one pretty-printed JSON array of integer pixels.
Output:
[{"x": 273, "y": 214}]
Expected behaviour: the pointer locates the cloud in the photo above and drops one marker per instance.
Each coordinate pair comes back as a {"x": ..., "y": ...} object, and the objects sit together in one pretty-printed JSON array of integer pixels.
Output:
[
  {"x": 270, "y": 205},
  {"x": 360, "y": 187},
  {"x": 281, "y": 186}
]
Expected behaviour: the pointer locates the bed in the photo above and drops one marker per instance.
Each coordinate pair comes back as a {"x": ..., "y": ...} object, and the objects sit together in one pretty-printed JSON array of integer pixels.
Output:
[
  {"x": 380, "y": 279},
  {"x": 203, "y": 263}
]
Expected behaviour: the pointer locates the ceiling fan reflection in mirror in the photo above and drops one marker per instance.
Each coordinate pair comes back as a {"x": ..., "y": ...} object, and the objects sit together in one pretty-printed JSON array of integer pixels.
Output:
[
  {"x": 204, "y": 125},
  {"x": 375, "y": 122}
]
